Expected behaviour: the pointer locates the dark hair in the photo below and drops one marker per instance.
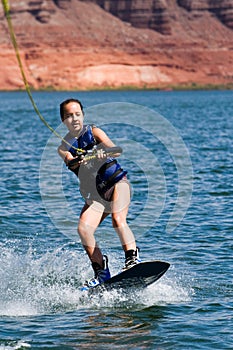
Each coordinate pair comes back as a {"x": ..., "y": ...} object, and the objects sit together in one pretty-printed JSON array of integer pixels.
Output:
[{"x": 66, "y": 102}]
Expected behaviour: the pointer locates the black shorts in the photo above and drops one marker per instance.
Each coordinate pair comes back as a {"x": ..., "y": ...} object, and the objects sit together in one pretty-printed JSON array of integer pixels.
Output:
[{"x": 106, "y": 197}]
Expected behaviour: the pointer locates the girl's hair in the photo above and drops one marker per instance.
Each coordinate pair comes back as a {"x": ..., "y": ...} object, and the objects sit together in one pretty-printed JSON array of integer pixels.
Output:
[{"x": 66, "y": 102}]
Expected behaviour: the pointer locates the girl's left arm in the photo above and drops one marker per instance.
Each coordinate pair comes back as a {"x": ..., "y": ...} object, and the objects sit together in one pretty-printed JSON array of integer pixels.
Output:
[{"x": 102, "y": 138}]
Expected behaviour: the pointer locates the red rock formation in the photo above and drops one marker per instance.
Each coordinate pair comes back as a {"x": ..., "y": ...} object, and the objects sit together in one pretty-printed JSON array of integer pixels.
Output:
[
  {"x": 222, "y": 9},
  {"x": 155, "y": 14},
  {"x": 151, "y": 14},
  {"x": 71, "y": 44}
]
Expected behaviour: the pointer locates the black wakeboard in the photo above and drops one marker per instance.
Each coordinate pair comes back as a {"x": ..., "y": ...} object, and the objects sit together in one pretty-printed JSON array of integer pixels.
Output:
[{"x": 138, "y": 276}]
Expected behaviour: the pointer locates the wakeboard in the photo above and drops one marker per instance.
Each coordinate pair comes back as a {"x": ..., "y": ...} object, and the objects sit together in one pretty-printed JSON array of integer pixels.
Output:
[{"x": 138, "y": 276}]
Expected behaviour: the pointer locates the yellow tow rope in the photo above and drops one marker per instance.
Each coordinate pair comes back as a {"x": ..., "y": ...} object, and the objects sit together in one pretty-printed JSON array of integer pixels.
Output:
[{"x": 6, "y": 8}]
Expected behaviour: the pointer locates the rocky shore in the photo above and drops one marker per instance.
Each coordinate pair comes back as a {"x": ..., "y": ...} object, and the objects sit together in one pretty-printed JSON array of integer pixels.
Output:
[{"x": 71, "y": 44}]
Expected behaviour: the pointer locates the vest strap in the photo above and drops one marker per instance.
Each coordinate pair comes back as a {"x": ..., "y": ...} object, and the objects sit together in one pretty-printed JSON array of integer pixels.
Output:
[{"x": 109, "y": 182}]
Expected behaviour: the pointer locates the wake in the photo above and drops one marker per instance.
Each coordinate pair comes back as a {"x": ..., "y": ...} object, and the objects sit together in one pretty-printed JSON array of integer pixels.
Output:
[{"x": 36, "y": 284}]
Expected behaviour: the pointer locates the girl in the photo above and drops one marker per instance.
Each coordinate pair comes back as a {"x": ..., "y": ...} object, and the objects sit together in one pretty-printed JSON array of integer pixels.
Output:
[{"x": 103, "y": 185}]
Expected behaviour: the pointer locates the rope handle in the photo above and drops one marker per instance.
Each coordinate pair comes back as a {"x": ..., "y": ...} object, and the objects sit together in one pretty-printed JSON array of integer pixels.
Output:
[{"x": 93, "y": 154}]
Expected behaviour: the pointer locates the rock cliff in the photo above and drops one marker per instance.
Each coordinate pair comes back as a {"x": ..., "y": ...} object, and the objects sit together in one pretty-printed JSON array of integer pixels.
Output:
[
  {"x": 72, "y": 44},
  {"x": 223, "y": 10},
  {"x": 157, "y": 14}
]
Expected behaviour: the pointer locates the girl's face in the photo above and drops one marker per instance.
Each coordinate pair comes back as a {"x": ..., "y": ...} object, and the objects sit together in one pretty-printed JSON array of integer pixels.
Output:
[{"x": 73, "y": 118}]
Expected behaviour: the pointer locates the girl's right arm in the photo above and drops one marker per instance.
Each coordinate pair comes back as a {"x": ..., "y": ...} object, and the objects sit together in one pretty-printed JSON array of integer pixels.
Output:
[
  {"x": 64, "y": 154},
  {"x": 67, "y": 157}
]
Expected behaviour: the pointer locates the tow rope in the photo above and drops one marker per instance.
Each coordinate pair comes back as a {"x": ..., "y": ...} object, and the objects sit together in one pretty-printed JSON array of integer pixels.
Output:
[{"x": 6, "y": 8}]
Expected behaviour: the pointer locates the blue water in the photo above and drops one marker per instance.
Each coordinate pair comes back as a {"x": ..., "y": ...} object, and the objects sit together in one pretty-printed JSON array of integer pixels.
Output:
[{"x": 178, "y": 152}]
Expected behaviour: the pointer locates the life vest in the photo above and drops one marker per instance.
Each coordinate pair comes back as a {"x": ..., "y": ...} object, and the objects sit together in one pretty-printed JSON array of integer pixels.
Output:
[
  {"x": 85, "y": 141},
  {"x": 108, "y": 175},
  {"x": 96, "y": 176}
]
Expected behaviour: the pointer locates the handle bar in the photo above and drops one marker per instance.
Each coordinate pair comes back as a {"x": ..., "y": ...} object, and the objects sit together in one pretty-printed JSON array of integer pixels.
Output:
[
  {"x": 92, "y": 154},
  {"x": 108, "y": 150}
]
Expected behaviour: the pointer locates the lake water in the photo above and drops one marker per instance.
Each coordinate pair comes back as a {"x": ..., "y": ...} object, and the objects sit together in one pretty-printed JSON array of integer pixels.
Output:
[{"x": 178, "y": 152}]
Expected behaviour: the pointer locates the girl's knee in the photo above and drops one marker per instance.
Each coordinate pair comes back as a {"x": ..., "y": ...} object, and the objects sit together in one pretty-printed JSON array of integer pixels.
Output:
[
  {"x": 82, "y": 229},
  {"x": 118, "y": 220},
  {"x": 86, "y": 235}
]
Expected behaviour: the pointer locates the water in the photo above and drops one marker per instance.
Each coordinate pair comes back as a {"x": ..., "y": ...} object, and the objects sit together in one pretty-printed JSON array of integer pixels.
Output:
[{"x": 178, "y": 151}]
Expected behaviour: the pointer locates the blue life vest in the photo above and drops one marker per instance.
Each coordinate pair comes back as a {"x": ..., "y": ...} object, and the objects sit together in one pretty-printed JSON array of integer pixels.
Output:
[
  {"x": 96, "y": 176},
  {"x": 85, "y": 141}
]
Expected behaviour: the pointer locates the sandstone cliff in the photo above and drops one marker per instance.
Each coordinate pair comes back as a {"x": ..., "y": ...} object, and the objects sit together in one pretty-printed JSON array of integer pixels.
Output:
[{"x": 72, "y": 44}]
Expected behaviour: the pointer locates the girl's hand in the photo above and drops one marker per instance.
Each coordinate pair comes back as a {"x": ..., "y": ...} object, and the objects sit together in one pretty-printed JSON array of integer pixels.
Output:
[
  {"x": 101, "y": 154},
  {"x": 76, "y": 162}
]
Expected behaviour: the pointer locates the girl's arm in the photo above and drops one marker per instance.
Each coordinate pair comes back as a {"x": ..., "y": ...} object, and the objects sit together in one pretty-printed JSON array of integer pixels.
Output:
[
  {"x": 64, "y": 154},
  {"x": 67, "y": 157},
  {"x": 102, "y": 138}
]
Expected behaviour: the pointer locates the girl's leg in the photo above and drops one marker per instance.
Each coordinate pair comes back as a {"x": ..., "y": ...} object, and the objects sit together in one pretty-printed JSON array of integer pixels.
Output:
[
  {"x": 120, "y": 205},
  {"x": 90, "y": 218}
]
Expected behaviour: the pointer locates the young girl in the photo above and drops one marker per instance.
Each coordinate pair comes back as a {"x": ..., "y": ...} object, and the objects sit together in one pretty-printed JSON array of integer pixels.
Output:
[{"x": 103, "y": 185}]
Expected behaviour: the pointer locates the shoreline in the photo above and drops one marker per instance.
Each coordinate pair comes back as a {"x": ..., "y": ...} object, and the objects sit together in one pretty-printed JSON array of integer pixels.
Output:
[{"x": 166, "y": 88}]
